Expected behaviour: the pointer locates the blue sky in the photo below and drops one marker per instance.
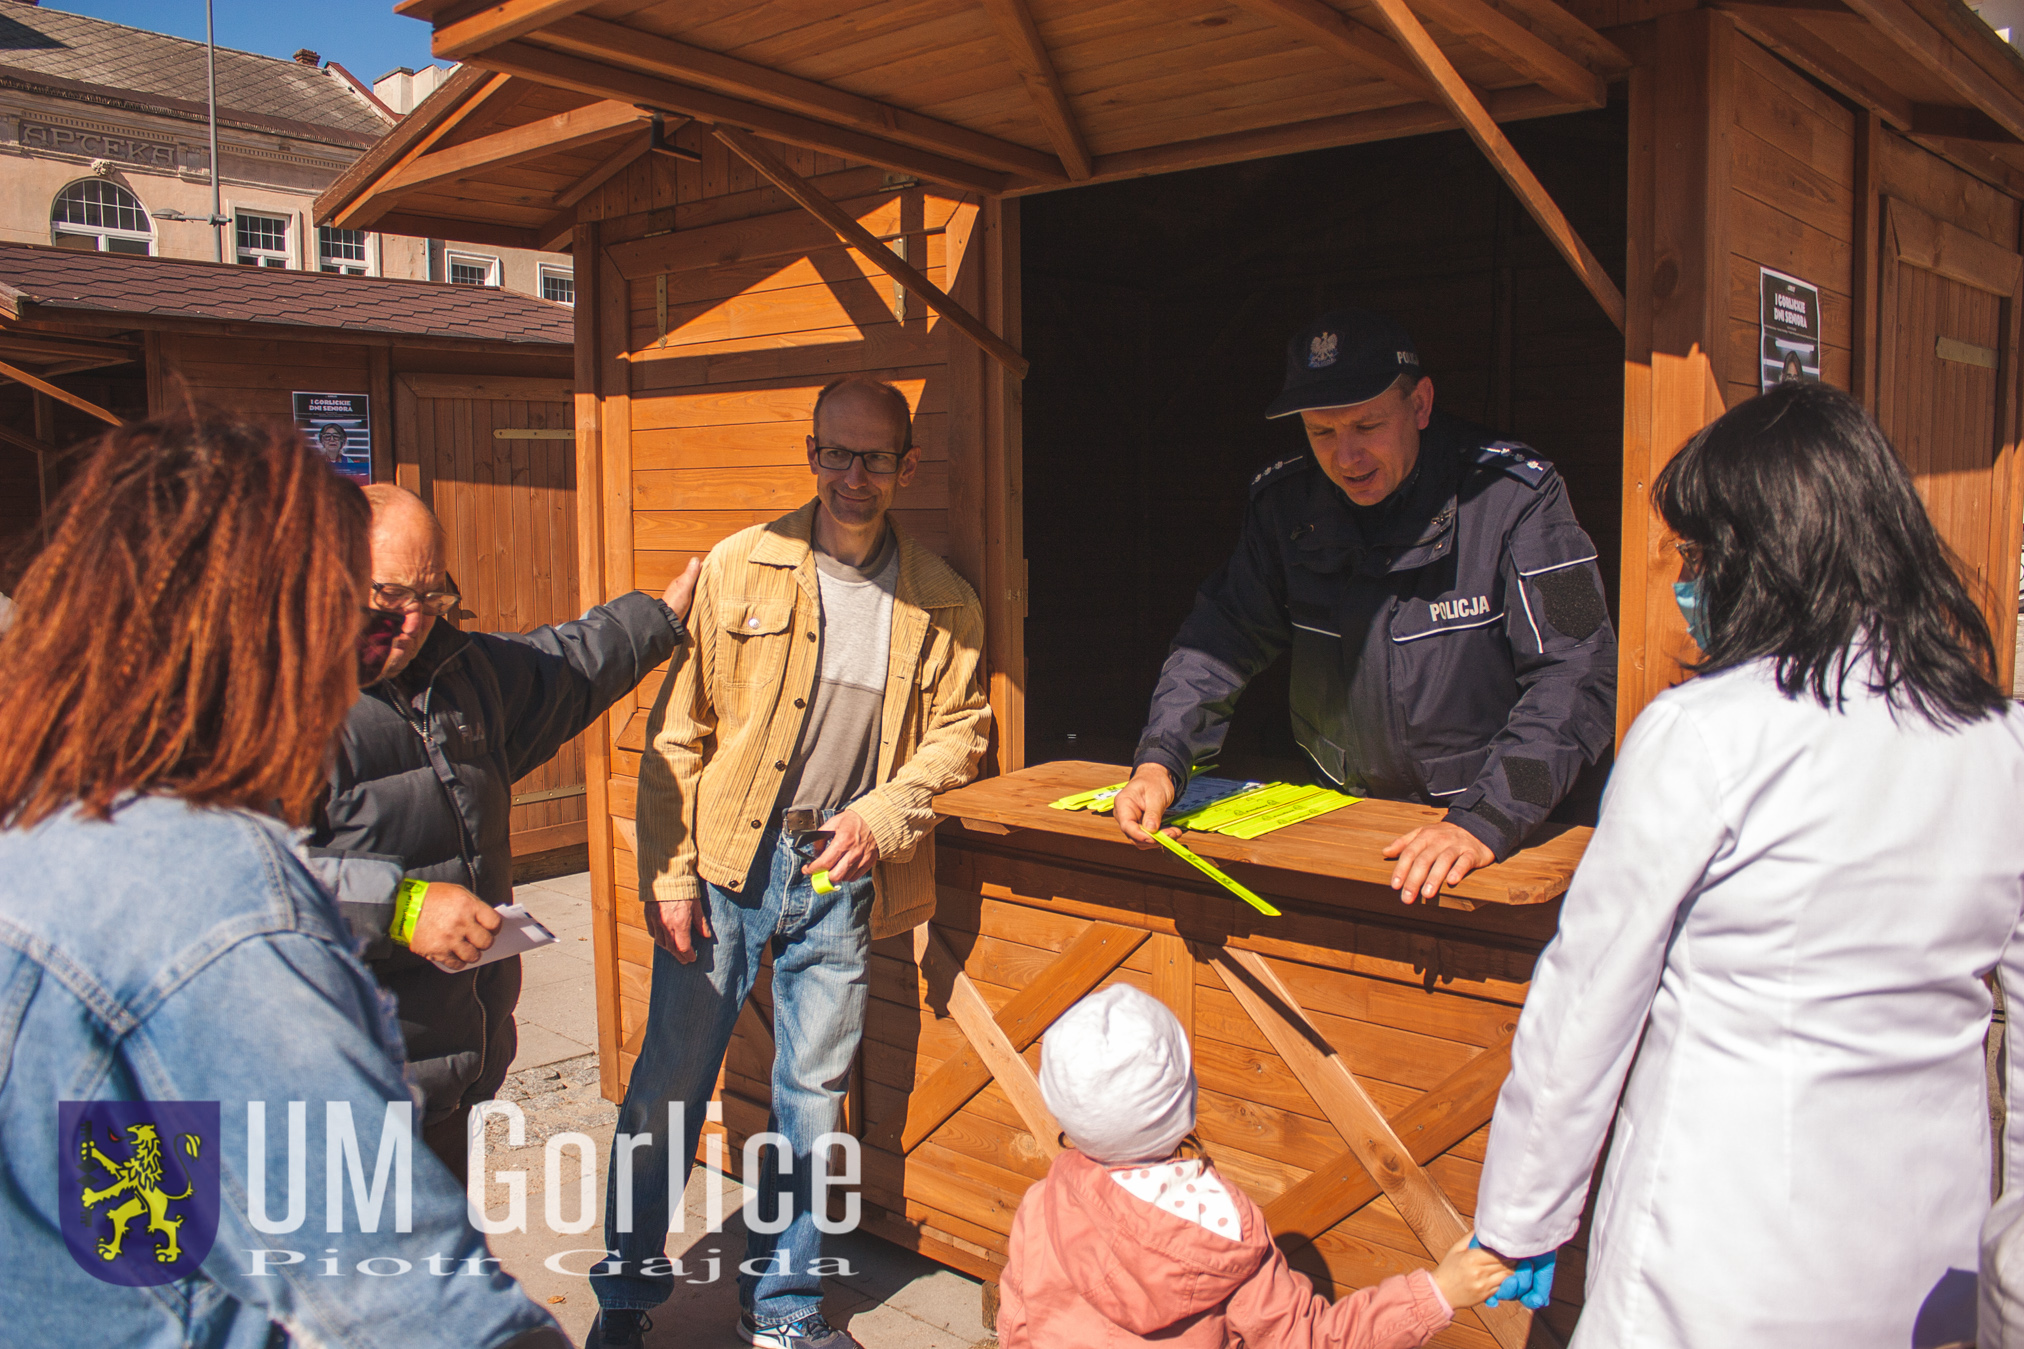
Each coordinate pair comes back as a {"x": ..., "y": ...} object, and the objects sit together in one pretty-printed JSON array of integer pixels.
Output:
[{"x": 365, "y": 36}]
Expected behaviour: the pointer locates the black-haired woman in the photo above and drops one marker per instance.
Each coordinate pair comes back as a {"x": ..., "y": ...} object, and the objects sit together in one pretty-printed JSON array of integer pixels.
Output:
[{"x": 1809, "y": 855}]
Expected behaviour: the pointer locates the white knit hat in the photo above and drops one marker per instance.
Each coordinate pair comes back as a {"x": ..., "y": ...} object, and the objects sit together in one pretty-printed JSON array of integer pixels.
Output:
[{"x": 1116, "y": 1072}]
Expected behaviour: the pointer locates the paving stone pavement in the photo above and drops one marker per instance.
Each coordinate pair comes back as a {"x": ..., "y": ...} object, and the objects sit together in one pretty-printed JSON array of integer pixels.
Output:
[{"x": 892, "y": 1299}]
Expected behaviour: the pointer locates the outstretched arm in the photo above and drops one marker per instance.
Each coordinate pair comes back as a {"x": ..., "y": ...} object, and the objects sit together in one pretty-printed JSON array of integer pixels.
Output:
[
  {"x": 1237, "y": 627},
  {"x": 1661, "y": 827}
]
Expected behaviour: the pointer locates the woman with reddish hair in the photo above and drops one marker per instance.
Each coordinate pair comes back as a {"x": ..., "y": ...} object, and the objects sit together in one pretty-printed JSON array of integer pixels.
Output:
[{"x": 183, "y": 1026}]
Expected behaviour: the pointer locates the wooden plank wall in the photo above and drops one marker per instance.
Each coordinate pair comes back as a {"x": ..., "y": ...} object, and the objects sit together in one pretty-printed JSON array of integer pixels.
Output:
[
  {"x": 715, "y": 316},
  {"x": 509, "y": 508},
  {"x": 1957, "y": 425},
  {"x": 1744, "y": 161}
]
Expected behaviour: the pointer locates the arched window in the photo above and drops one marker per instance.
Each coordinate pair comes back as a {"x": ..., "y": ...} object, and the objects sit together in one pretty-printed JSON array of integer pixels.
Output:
[{"x": 97, "y": 216}]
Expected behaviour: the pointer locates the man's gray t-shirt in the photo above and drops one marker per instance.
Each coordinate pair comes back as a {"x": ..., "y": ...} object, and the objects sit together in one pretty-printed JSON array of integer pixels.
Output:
[{"x": 837, "y": 759}]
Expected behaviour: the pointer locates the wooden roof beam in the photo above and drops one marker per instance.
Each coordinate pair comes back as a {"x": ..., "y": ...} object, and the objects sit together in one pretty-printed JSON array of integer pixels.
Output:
[
  {"x": 423, "y": 226},
  {"x": 1942, "y": 57},
  {"x": 1784, "y": 31},
  {"x": 1483, "y": 129},
  {"x": 549, "y": 136},
  {"x": 612, "y": 167},
  {"x": 365, "y": 208},
  {"x": 463, "y": 38},
  {"x": 1036, "y": 68},
  {"x": 607, "y": 81},
  {"x": 1329, "y": 29},
  {"x": 1574, "y": 37},
  {"x": 1489, "y": 30},
  {"x": 601, "y": 41},
  {"x": 61, "y": 395},
  {"x": 810, "y": 198},
  {"x": 1947, "y": 121}
]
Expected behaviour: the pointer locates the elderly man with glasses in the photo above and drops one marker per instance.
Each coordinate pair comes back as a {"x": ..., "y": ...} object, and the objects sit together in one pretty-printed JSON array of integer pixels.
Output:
[
  {"x": 423, "y": 774},
  {"x": 785, "y": 802}
]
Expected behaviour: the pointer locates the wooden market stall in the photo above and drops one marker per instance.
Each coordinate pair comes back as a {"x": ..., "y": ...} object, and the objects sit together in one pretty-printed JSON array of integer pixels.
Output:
[
  {"x": 468, "y": 403},
  {"x": 1076, "y": 234}
]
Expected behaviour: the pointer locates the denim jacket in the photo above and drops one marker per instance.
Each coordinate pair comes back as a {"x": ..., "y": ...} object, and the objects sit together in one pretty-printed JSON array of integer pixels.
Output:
[{"x": 183, "y": 954}]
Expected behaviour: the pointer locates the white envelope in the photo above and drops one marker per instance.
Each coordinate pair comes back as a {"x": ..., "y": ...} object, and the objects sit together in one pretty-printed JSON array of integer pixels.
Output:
[{"x": 519, "y": 931}]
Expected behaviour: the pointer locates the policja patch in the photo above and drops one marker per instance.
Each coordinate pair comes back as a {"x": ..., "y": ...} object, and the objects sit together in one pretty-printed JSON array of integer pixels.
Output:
[{"x": 138, "y": 1187}]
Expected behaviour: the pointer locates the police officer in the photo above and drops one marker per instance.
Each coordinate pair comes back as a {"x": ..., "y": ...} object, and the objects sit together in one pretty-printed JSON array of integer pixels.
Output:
[{"x": 1451, "y": 643}]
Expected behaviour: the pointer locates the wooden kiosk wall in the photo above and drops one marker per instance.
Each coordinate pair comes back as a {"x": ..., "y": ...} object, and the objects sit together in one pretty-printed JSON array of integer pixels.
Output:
[
  {"x": 709, "y": 313},
  {"x": 1740, "y": 160}
]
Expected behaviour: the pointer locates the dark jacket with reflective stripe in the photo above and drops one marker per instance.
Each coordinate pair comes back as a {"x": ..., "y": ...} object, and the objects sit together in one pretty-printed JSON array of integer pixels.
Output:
[
  {"x": 424, "y": 775},
  {"x": 1451, "y": 646}
]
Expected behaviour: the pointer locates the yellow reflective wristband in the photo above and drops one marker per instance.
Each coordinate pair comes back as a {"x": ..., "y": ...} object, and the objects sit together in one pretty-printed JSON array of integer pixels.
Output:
[{"x": 408, "y": 897}]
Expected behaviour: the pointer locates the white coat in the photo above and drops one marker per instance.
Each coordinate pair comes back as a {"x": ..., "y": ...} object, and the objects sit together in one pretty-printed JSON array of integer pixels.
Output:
[{"x": 1794, "y": 907}]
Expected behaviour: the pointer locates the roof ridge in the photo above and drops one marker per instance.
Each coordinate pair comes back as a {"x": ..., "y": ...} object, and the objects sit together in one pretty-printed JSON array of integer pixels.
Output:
[
  {"x": 274, "y": 273},
  {"x": 152, "y": 32}
]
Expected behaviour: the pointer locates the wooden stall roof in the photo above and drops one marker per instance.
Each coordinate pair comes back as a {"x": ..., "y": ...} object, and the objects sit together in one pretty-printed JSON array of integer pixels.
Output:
[
  {"x": 1347, "y": 844},
  {"x": 1017, "y": 96},
  {"x": 56, "y": 298}
]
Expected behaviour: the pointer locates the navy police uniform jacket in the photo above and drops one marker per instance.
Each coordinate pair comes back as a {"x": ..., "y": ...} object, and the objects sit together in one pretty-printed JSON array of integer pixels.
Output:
[{"x": 1451, "y": 645}]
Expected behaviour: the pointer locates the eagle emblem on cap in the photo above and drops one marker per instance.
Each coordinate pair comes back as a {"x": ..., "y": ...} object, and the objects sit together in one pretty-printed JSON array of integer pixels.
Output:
[{"x": 1321, "y": 351}]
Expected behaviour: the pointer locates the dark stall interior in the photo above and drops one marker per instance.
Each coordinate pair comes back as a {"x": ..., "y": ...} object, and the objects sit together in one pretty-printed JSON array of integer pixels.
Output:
[
  {"x": 32, "y": 477},
  {"x": 1156, "y": 314}
]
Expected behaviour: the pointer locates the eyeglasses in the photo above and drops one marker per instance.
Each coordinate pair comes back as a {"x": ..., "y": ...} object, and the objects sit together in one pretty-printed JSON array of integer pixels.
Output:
[
  {"x": 879, "y": 463},
  {"x": 1690, "y": 554},
  {"x": 400, "y": 599}
]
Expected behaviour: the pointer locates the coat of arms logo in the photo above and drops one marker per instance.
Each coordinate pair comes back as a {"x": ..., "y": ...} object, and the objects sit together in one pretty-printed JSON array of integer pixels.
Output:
[
  {"x": 1321, "y": 351},
  {"x": 140, "y": 1178}
]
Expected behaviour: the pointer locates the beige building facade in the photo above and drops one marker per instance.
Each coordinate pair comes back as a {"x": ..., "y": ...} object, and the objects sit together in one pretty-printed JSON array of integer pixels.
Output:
[{"x": 104, "y": 146}]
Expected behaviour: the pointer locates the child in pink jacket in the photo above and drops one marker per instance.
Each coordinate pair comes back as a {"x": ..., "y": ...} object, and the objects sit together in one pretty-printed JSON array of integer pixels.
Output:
[{"x": 1131, "y": 1242}]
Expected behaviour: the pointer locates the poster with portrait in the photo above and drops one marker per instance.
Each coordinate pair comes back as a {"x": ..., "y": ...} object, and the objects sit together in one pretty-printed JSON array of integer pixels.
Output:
[
  {"x": 1791, "y": 328},
  {"x": 339, "y": 427}
]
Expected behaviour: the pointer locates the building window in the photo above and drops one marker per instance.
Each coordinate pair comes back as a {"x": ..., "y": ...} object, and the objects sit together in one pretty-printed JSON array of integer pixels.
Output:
[
  {"x": 558, "y": 284},
  {"x": 100, "y": 217},
  {"x": 263, "y": 240},
  {"x": 341, "y": 251},
  {"x": 470, "y": 270}
]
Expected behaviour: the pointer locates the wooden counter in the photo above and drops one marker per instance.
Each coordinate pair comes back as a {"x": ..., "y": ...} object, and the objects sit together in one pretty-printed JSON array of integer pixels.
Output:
[{"x": 1354, "y": 1037}]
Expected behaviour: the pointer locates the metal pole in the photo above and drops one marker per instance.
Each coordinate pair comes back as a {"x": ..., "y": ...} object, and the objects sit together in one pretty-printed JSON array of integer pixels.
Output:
[{"x": 211, "y": 75}]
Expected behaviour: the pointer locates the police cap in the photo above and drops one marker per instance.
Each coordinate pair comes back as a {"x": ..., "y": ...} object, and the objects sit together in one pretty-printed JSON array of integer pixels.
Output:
[{"x": 1346, "y": 356}]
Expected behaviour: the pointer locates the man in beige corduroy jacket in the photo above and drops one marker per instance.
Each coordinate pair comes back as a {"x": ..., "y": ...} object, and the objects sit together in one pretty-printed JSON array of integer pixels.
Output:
[{"x": 832, "y": 681}]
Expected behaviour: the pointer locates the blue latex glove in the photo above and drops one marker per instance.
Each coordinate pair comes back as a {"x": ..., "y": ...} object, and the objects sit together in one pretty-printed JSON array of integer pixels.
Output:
[{"x": 1530, "y": 1284}]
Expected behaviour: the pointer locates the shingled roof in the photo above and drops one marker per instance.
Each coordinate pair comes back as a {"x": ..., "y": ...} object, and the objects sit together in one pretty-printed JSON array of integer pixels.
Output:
[
  {"x": 73, "y": 56},
  {"x": 39, "y": 282}
]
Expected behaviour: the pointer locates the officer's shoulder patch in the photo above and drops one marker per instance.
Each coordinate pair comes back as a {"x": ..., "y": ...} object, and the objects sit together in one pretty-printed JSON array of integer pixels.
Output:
[
  {"x": 1285, "y": 468},
  {"x": 1514, "y": 458}
]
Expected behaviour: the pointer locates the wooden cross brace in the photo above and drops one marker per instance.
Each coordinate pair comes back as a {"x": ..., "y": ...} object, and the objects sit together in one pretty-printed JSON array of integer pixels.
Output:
[
  {"x": 1372, "y": 1140},
  {"x": 998, "y": 1040}
]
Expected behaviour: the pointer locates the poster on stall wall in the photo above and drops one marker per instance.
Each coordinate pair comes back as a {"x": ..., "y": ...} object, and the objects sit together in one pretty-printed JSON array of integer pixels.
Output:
[
  {"x": 1791, "y": 328},
  {"x": 339, "y": 427}
]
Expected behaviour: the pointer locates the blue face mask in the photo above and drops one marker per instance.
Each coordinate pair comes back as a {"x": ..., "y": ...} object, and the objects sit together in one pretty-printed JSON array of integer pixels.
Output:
[{"x": 1687, "y": 594}]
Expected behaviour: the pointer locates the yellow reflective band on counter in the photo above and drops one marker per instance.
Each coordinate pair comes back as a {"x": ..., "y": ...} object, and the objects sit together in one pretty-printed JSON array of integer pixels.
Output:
[
  {"x": 1088, "y": 800},
  {"x": 1214, "y": 873},
  {"x": 1318, "y": 802},
  {"x": 1212, "y": 817}
]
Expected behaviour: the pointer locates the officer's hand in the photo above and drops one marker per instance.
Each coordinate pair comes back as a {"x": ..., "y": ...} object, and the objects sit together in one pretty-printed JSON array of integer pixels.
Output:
[
  {"x": 681, "y": 591},
  {"x": 1435, "y": 855},
  {"x": 670, "y": 922},
  {"x": 1140, "y": 807},
  {"x": 851, "y": 852},
  {"x": 455, "y": 927}
]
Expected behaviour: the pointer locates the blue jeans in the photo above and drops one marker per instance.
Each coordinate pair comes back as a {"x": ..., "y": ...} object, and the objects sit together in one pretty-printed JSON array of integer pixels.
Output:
[{"x": 821, "y": 948}]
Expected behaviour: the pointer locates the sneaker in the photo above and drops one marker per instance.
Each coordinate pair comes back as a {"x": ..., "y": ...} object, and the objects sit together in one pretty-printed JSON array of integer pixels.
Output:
[
  {"x": 618, "y": 1328},
  {"x": 810, "y": 1332}
]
